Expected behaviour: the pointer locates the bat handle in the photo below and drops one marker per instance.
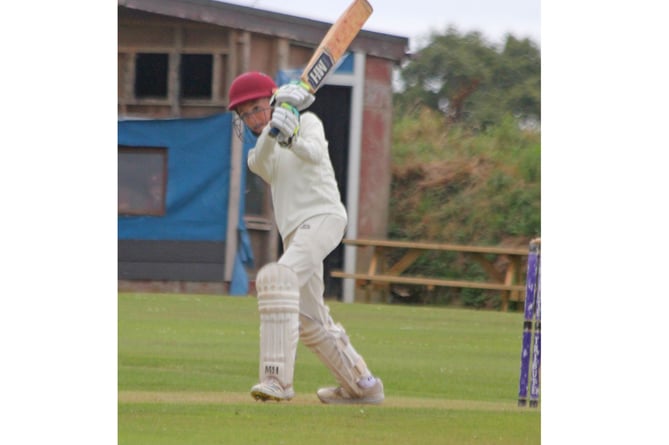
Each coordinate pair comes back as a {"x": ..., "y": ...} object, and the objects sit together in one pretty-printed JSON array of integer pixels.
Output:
[{"x": 273, "y": 132}]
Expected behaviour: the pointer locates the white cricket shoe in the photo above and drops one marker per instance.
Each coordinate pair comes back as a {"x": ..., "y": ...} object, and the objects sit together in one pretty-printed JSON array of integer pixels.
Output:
[
  {"x": 372, "y": 395},
  {"x": 271, "y": 390}
]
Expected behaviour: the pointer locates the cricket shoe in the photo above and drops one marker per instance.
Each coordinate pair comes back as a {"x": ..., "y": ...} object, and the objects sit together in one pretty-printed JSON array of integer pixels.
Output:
[
  {"x": 271, "y": 390},
  {"x": 371, "y": 395}
]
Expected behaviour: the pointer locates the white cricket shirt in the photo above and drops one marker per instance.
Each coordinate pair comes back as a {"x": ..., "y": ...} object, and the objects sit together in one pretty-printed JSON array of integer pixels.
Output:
[{"x": 301, "y": 177}]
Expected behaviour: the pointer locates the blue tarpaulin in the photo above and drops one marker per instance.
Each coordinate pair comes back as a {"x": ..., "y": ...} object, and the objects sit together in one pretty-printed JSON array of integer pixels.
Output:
[{"x": 198, "y": 185}]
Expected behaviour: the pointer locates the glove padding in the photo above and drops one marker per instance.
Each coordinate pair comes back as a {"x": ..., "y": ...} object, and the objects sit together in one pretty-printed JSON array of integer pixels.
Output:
[
  {"x": 286, "y": 119},
  {"x": 295, "y": 94}
]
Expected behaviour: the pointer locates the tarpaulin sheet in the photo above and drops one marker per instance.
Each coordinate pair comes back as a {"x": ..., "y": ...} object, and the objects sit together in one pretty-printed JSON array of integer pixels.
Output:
[{"x": 198, "y": 184}]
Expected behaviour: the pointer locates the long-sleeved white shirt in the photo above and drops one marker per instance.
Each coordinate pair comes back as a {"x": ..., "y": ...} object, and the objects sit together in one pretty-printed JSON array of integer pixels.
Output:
[{"x": 301, "y": 177}]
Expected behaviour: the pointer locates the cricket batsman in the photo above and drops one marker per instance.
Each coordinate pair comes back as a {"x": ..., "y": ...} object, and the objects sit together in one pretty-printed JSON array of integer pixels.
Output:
[{"x": 311, "y": 220}]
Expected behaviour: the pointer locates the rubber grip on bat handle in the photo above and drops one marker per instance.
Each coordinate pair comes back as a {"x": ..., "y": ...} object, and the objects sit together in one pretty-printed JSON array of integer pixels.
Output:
[{"x": 273, "y": 132}]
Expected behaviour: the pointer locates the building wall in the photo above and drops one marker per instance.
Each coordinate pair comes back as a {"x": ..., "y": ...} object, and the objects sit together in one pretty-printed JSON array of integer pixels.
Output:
[
  {"x": 141, "y": 32},
  {"x": 234, "y": 51}
]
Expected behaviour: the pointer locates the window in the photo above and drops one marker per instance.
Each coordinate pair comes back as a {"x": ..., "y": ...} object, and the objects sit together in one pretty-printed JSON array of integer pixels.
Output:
[
  {"x": 142, "y": 179},
  {"x": 151, "y": 75},
  {"x": 196, "y": 76}
]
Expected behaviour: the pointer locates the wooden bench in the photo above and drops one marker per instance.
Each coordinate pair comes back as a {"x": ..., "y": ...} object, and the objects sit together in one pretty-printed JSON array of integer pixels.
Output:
[{"x": 380, "y": 273}]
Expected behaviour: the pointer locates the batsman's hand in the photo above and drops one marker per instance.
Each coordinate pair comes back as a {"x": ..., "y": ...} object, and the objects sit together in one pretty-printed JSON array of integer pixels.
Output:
[
  {"x": 285, "y": 119},
  {"x": 296, "y": 94}
]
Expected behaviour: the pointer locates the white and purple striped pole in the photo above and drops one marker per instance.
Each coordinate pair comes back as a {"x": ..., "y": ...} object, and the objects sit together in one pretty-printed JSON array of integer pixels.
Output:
[
  {"x": 530, "y": 312},
  {"x": 536, "y": 352}
]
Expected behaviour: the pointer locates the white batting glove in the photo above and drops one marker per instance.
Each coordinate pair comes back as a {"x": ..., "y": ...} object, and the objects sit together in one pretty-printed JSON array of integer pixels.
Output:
[
  {"x": 286, "y": 119},
  {"x": 295, "y": 94}
]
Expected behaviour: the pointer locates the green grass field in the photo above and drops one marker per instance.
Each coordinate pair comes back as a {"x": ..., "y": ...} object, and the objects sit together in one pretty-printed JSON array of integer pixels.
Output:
[{"x": 186, "y": 364}]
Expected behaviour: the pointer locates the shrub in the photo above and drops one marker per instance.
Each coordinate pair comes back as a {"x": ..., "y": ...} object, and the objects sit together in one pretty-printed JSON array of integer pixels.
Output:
[{"x": 455, "y": 186}]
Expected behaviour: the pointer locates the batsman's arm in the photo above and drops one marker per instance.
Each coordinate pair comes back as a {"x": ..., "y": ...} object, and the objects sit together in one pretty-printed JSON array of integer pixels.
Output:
[
  {"x": 260, "y": 158},
  {"x": 311, "y": 146}
]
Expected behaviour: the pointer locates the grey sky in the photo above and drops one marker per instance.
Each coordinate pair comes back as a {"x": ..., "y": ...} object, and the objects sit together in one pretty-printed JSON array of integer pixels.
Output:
[{"x": 416, "y": 18}]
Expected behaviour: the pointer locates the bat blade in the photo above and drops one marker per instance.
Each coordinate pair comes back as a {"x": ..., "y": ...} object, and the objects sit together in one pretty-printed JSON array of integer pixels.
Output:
[{"x": 335, "y": 43}]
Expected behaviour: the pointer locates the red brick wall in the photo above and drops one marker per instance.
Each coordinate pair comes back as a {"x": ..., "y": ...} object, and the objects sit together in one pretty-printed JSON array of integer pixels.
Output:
[{"x": 375, "y": 172}]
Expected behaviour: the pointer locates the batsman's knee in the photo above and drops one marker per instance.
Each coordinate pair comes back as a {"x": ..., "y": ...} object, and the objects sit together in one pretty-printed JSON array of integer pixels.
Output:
[{"x": 277, "y": 285}]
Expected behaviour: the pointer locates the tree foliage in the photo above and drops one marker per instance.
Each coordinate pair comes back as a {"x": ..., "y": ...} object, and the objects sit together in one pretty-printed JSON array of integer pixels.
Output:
[{"x": 472, "y": 81}]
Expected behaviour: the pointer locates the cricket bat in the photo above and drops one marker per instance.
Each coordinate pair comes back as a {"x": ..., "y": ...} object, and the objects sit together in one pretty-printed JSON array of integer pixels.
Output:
[{"x": 333, "y": 46}]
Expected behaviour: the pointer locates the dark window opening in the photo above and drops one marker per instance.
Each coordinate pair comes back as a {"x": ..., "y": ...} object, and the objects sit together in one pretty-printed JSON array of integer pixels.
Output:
[
  {"x": 255, "y": 195},
  {"x": 142, "y": 179},
  {"x": 151, "y": 75},
  {"x": 196, "y": 76}
]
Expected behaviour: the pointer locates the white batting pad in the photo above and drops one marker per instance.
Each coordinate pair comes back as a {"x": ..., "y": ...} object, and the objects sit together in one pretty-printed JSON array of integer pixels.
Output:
[
  {"x": 333, "y": 348},
  {"x": 279, "y": 307}
]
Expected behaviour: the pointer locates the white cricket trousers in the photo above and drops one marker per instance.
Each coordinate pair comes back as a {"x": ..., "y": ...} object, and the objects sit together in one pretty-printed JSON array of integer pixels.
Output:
[{"x": 304, "y": 251}]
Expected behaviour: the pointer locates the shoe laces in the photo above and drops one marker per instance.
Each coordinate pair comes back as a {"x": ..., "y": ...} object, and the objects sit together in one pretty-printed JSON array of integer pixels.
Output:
[
  {"x": 367, "y": 382},
  {"x": 274, "y": 384}
]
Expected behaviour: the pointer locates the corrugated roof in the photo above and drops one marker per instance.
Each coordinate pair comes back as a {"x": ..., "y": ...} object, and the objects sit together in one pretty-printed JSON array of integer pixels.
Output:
[{"x": 299, "y": 29}]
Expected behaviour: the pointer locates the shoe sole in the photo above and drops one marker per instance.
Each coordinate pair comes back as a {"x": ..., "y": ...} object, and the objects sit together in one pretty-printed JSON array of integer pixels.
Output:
[
  {"x": 258, "y": 395},
  {"x": 360, "y": 401}
]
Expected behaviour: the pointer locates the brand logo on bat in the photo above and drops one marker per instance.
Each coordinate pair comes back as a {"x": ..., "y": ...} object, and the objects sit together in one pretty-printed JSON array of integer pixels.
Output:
[{"x": 320, "y": 69}]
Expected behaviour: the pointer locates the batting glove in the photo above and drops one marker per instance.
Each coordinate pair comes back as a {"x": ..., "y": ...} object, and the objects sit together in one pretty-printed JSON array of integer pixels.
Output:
[
  {"x": 296, "y": 94},
  {"x": 286, "y": 119}
]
